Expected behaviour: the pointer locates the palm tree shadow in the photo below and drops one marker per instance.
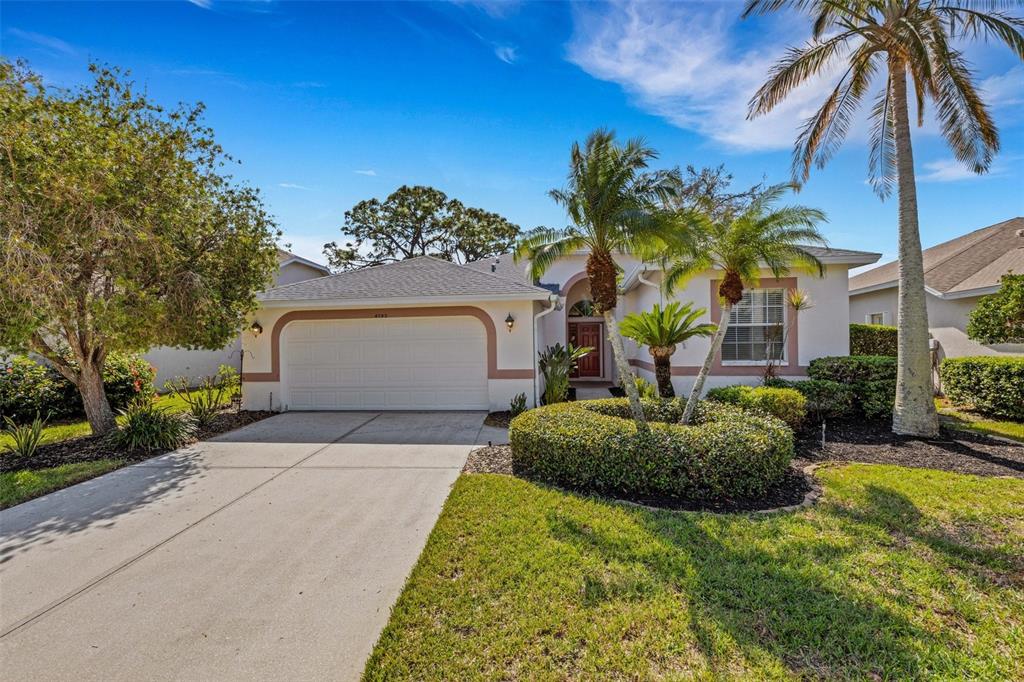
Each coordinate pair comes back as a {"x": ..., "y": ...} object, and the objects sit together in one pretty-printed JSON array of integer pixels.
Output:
[{"x": 771, "y": 600}]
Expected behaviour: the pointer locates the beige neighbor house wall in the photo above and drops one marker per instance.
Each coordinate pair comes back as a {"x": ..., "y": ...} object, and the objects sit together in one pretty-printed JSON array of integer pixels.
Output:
[
  {"x": 513, "y": 370},
  {"x": 820, "y": 331},
  {"x": 947, "y": 321},
  {"x": 173, "y": 362}
]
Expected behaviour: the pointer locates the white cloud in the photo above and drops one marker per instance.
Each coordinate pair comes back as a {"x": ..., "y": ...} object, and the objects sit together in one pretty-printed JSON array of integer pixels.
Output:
[
  {"x": 506, "y": 53},
  {"x": 43, "y": 40},
  {"x": 292, "y": 185},
  {"x": 205, "y": 4},
  {"x": 685, "y": 63},
  {"x": 369, "y": 171},
  {"x": 1006, "y": 89},
  {"x": 951, "y": 170}
]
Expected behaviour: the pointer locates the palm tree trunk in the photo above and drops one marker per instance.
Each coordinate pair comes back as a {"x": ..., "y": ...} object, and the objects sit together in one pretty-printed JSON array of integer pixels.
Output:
[
  {"x": 625, "y": 374},
  {"x": 716, "y": 343},
  {"x": 663, "y": 371},
  {"x": 914, "y": 412}
]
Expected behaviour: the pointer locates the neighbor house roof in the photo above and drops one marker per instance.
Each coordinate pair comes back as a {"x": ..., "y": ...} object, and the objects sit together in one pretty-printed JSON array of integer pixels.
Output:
[
  {"x": 287, "y": 257},
  {"x": 970, "y": 265},
  {"x": 416, "y": 279}
]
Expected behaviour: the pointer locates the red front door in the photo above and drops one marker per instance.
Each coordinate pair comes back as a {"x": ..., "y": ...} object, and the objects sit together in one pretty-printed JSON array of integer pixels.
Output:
[{"x": 587, "y": 334}]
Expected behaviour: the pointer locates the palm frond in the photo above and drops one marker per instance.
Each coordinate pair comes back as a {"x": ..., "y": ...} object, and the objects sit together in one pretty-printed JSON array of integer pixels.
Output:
[
  {"x": 882, "y": 158},
  {"x": 543, "y": 247},
  {"x": 799, "y": 64},
  {"x": 967, "y": 22}
]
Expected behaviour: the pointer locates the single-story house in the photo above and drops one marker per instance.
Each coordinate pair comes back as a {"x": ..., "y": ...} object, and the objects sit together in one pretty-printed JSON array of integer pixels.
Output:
[
  {"x": 956, "y": 274},
  {"x": 181, "y": 362},
  {"x": 427, "y": 334}
]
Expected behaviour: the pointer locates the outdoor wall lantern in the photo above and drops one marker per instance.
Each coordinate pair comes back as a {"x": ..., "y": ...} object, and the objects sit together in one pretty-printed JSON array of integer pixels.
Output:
[
  {"x": 256, "y": 328},
  {"x": 510, "y": 322}
]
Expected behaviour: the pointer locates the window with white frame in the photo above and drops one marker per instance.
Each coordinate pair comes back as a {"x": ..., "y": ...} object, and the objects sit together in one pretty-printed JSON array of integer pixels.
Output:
[
  {"x": 876, "y": 318},
  {"x": 757, "y": 326}
]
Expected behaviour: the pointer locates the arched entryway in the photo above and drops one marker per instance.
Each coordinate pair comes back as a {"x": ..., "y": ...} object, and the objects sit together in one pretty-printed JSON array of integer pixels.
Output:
[{"x": 584, "y": 327}]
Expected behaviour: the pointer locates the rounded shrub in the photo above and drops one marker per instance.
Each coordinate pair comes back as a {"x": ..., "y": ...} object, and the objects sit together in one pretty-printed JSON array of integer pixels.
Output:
[
  {"x": 992, "y": 385},
  {"x": 872, "y": 378},
  {"x": 825, "y": 399},
  {"x": 787, "y": 404},
  {"x": 591, "y": 446},
  {"x": 144, "y": 426}
]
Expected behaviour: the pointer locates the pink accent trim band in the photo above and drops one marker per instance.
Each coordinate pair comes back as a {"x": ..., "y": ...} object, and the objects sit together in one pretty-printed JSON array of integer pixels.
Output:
[
  {"x": 445, "y": 311},
  {"x": 726, "y": 371}
]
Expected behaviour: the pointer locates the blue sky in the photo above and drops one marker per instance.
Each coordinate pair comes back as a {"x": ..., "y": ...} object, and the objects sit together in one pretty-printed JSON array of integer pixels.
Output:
[{"x": 328, "y": 104}]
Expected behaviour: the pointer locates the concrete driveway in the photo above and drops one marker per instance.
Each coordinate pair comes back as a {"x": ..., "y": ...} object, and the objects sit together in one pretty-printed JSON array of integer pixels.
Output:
[{"x": 271, "y": 552}]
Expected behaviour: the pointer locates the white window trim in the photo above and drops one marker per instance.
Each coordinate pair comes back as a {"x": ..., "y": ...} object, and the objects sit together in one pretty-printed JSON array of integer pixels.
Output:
[{"x": 784, "y": 360}]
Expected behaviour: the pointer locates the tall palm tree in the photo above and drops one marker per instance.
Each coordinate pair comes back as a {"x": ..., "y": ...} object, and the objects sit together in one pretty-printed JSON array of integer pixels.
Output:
[
  {"x": 759, "y": 237},
  {"x": 615, "y": 205},
  {"x": 891, "y": 39},
  {"x": 661, "y": 330}
]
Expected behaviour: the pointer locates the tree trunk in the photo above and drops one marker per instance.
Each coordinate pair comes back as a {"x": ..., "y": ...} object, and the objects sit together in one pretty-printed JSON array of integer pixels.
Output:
[
  {"x": 625, "y": 373},
  {"x": 914, "y": 412},
  {"x": 698, "y": 384},
  {"x": 94, "y": 398},
  {"x": 663, "y": 370}
]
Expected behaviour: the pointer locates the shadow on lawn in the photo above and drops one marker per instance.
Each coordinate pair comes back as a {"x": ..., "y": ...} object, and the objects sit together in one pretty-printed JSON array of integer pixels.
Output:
[
  {"x": 97, "y": 503},
  {"x": 771, "y": 593}
]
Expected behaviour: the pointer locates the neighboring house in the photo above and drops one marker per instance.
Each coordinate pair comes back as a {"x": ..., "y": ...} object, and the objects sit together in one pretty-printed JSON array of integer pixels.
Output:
[
  {"x": 426, "y": 334},
  {"x": 956, "y": 274},
  {"x": 181, "y": 362}
]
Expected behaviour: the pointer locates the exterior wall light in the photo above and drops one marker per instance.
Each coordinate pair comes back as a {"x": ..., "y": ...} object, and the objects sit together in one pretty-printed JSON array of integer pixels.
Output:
[
  {"x": 510, "y": 322},
  {"x": 256, "y": 328}
]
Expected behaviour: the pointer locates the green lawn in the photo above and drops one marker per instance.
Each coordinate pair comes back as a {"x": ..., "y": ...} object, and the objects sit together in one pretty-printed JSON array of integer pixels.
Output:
[
  {"x": 20, "y": 486},
  {"x": 970, "y": 421},
  {"x": 897, "y": 574}
]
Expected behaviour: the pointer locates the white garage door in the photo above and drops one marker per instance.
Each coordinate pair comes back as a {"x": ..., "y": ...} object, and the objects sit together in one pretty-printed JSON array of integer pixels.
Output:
[{"x": 412, "y": 363}]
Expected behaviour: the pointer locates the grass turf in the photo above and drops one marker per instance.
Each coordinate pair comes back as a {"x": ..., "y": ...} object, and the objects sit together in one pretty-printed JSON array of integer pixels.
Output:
[
  {"x": 898, "y": 573},
  {"x": 971, "y": 421},
  {"x": 20, "y": 486}
]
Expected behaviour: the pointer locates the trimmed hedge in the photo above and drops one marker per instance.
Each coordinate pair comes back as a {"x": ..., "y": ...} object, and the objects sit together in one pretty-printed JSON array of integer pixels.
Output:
[
  {"x": 825, "y": 399},
  {"x": 872, "y": 339},
  {"x": 988, "y": 384},
  {"x": 590, "y": 445},
  {"x": 28, "y": 388},
  {"x": 787, "y": 404},
  {"x": 871, "y": 377}
]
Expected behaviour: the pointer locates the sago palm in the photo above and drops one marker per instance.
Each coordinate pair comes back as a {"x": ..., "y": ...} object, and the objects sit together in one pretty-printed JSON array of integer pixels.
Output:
[
  {"x": 888, "y": 40},
  {"x": 615, "y": 205},
  {"x": 759, "y": 237},
  {"x": 661, "y": 330}
]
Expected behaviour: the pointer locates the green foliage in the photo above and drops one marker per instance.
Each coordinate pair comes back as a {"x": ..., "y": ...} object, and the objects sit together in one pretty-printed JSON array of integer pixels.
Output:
[
  {"x": 419, "y": 221},
  {"x": 24, "y": 438},
  {"x": 668, "y": 326},
  {"x": 518, "y": 405},
  {"x": 556, "y": 363},
  {"x": 28, "y": 387},
  {"x": 118, "y": 229},
  {"x": 645, "y": 388},
  {"x": 989, "y": 384},
  {"x": 825, "y": 399},
  {"x": 999, "y": 317},
  {"x": 872, "y": 339},
  {"x": 786, "y": 404},
  {"x": 871, "y": 377},
  {"x": 144, "y": 426},
  {"x": 208, "y": 398},
  {"x": 728, "y": 452}
]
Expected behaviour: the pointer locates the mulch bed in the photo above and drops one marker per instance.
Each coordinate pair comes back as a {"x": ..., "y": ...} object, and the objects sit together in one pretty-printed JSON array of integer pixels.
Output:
[
  {"x": 498, "y": 419},
  {"x": 864, "y": 441},
  {"x": 873, "y": 442},
  {"x": 89, "y": 448}
]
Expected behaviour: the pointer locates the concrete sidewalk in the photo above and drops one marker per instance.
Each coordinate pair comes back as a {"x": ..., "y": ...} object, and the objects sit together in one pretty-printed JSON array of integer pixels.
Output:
[{"x": 271, "y": 552}]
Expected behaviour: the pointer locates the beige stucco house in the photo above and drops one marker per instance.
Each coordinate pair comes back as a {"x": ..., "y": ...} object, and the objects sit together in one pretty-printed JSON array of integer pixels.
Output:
[
  {"x": 957, "y": 273},
  {"x": 428, "y": 334},
  {"x": 181, "y": 362}
]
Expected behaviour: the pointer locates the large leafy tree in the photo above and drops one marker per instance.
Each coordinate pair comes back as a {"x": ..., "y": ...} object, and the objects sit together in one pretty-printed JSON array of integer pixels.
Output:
[
  {"x": 616, "y": 205},
  {"x": 661, "y": 330},
  {"x": 419, "y": 221},
  {"x": 885, "y": 41},
  {"x": 999, "y": 317},
  {"x": 118, "y": 229},
  {"x": 762, "y": 236}
]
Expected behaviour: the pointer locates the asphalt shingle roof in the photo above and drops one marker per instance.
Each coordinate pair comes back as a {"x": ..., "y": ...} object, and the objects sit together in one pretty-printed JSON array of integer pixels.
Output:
[
  {"x": 974, "y": 261},
  {"x": 414, "y": 278}
]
